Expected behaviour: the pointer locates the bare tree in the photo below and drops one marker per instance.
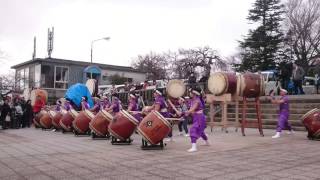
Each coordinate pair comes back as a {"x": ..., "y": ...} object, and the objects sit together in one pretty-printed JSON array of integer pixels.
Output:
[
  {"x": 303, "y": 30},
  {"x": 8, "y": 81},
  {"x": 203, "y": 57},
  {"x": 153, "y": 64}
]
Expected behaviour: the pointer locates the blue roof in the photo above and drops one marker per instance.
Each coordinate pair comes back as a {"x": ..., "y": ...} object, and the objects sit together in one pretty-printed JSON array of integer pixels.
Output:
[{"x": 92, "y": 69}]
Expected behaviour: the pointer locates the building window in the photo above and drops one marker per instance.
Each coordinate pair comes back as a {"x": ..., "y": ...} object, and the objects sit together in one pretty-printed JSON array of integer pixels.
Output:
[
  {"x": 47, "y": 74},
  {"x": 105, "y": 78},
  {"x": 37, "y": 75},
  {"x": 61, "y": 77},
  {"x": 22, "y": 78}
]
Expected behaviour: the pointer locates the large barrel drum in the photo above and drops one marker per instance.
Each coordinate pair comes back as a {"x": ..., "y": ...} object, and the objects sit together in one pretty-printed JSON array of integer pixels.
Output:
[
  {"x": 154, "y": 127},
  {"x": 222, "y": 82},
  {"x": 311, "y": 120},
  {"x": 250, "y": 85},
  {"x": 176, "y": 88},
  {"x": 46, "y": 120},
  {"x": 38, "y": 92},
  {"x": 99, "y": 124},
  {"x": 57, "y": 117},
  {"x": 81, "y": 122},
  {"x": 67, "y": 119},
  {"x": 36, "y": 119},
  {"x": 123, "y": 126}
]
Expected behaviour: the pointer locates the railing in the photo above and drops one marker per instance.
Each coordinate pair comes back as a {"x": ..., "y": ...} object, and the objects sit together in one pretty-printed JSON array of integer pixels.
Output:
[{"x": 147, "y": 95}]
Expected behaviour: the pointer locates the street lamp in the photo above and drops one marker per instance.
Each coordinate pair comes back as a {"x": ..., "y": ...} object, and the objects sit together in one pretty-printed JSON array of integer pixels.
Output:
[{"x": 105, "y": 38}]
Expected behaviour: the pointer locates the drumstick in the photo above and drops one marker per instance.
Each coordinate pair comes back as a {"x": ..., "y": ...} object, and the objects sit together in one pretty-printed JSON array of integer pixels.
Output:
[
  {"x": 142, "y": 101},
  {"x": 173, "y": 107},
  {"x": 174, "y": 119},
  {"x": 135, "y": 111}
]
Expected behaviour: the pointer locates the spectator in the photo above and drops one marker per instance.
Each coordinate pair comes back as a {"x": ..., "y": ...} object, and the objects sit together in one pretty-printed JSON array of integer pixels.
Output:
[
  {"x": 5, "y": 114},
  {"x": 17, "y": 115},
  {"x": 192, "y": 79},
  {"x": 145, "y": 85},
  {"x": 297, "y": 75},
  {"x": 114, "y": 89},
  {"x": 285, "y": 74},
  {"x": 317, "y": 82},
  {"x": 27, "y": 115}
]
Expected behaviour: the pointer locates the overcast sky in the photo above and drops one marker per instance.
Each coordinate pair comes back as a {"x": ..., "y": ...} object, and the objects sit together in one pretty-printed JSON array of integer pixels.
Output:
[{"x": 135, "y": 27}]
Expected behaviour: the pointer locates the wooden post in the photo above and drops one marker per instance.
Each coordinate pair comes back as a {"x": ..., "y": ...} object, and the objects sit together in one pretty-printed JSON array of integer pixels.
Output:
[
  {"x": 211, "y": 116},
  {"x": 237, "y": 111},
  {"x": 244, "y": 112},
  {"x": 258, "y": 110}
]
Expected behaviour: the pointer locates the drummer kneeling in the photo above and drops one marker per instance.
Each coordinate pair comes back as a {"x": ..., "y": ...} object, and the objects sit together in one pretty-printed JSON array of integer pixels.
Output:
[{"x": 283, "y": 122}]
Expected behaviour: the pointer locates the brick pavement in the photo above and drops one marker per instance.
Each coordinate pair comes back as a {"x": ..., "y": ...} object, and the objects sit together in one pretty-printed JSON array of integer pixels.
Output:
[{"x": 36, "y": 154}]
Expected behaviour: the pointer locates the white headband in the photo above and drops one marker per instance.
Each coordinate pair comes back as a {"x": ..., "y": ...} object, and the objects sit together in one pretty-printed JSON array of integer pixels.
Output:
[
  {"x": 285, "y": 91},
  {"x": 131, "y": 95},
  {"x": 196, "y": 92},
  {"x": 158, "y": 92}
]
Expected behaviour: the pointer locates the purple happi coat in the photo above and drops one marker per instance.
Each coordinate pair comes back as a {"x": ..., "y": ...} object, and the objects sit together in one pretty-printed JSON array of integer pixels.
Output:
[
  {"x": 163, "y": 106},
  {"x": 85, "y": 105},
  {"x": 116, "y": 106},
  {"x": 58, "y": 108},
  {"x": 283, "y": 122},
  {"x": 199, "y": 120},
  {"x": 133, "y": 106},
  {"x": 67, "y": 106}
]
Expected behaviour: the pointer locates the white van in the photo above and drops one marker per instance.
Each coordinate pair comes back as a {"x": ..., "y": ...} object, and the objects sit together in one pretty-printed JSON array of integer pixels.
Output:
[{"x": 270, "y": 81}]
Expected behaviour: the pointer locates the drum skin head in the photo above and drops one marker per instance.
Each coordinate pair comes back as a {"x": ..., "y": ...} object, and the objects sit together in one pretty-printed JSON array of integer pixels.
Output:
[
  {"x": 89, "y": 114},
  {"x": 217, "y": 84},
  {"x": 107, "y": 114},
  {"x": 176, "y": 88},
  {"x": 309, "y": 113},
  {"x": 131, "y": 118},
  {"x": 52, "y": 113},
  {"x": 74, "y": 113}
]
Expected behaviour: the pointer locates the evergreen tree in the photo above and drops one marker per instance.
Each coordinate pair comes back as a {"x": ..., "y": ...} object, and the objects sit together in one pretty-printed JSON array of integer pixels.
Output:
[{"x": 260, "y": 48}]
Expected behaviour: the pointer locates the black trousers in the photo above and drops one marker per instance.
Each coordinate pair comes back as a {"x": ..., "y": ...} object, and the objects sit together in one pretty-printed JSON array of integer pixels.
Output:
[{"x": 298, "y": 87}]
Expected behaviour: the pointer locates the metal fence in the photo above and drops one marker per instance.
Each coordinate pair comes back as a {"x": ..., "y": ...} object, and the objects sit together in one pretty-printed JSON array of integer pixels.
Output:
[{"x": 147, "y": 95}]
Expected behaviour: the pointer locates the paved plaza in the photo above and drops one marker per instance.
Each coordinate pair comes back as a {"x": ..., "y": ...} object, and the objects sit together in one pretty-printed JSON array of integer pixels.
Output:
[{"x": 40, "y": 155}]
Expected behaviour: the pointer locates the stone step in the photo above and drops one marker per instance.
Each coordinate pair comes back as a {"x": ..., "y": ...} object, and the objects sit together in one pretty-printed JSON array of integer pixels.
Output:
[
  {"x": 293, "y": 122},
  {"x": 295, "y": 128},
  {"x": 263, "y": 115},
  {"x": 270, "y": 111},
  {"x": 295, "y": 105}
]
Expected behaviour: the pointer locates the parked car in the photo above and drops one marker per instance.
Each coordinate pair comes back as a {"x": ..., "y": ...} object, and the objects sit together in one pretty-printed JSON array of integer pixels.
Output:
[
  {"x": 270, "y": 80},
  {"x": 107, "y": 88}
]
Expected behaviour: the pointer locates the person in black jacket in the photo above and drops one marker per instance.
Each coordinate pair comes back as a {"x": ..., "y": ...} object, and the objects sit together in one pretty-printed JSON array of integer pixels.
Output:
[
  {"x": 27, "y": 114},
  {"x": 5, "y": 111}
]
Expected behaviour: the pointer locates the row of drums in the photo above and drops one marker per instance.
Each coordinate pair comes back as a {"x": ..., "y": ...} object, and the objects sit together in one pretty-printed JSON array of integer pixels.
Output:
[
  {"x": 153, "y": 127},
  {"x": 245, "y": 85}
]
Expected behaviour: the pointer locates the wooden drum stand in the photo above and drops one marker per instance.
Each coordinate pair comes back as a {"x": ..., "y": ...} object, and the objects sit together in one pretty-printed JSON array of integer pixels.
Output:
[
  {"x": 224, "y": 100},
  {"x": 255, "y": 124}
]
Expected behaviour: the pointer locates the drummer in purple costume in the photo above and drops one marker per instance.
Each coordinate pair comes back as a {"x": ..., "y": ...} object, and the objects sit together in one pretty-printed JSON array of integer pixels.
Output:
[
  {"x": 283, "y": 122},
  {"x": 160, "y": 104},
  {"x": 115, "y": 105},
  {"x": 58, "y": 106},
  {"x": 97, "y": 106},
  {"x": 199, "y": 119},
  {"x": 67, "y": 105},
  {"x": 84, "y": 103},
  {"x": 133, "y": 106},
  {"x": 105, "y": 102}
]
